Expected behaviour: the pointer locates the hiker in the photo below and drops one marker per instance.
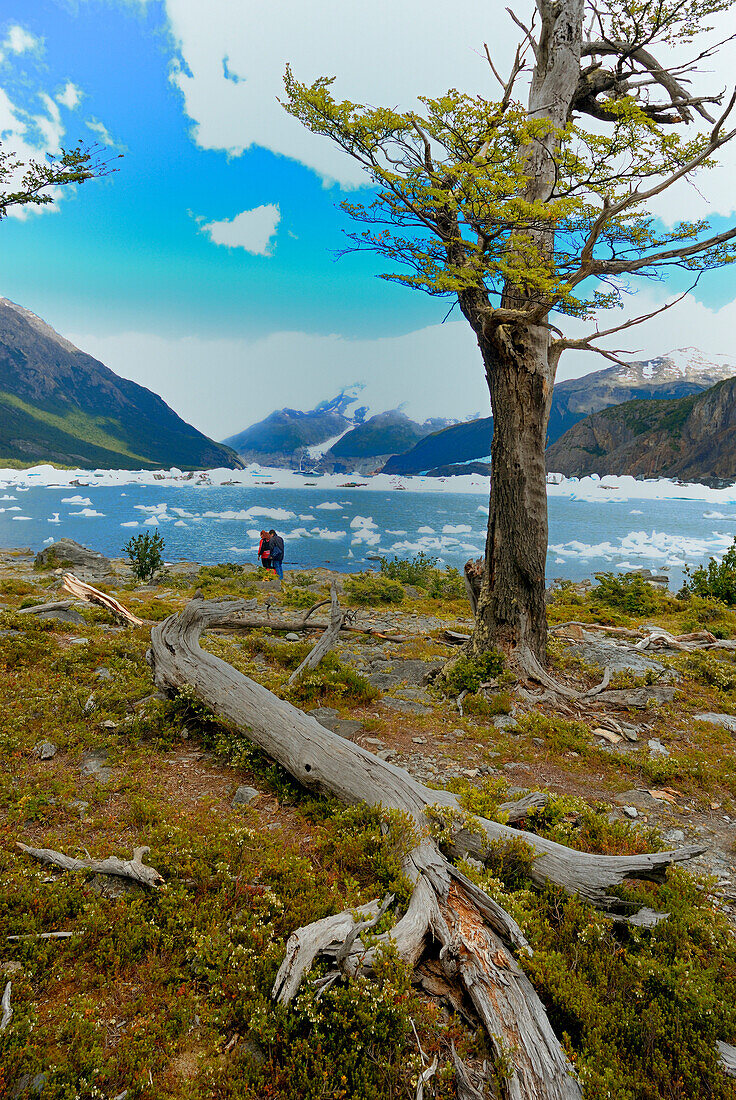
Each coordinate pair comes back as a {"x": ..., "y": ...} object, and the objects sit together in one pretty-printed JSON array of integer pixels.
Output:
[
  {"x": 276, "y": 550},
  {"x": 264, "y": 553}
]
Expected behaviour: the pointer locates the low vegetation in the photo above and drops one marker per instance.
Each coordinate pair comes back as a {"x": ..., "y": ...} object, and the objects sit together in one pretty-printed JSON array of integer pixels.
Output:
[{"x": 166, "y": 994}]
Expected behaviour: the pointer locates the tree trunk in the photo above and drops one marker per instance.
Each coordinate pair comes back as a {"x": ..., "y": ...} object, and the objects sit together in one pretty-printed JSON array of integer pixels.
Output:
[
  {"x": 511, "y": 607},
  {"x": 511, "y": 610}
]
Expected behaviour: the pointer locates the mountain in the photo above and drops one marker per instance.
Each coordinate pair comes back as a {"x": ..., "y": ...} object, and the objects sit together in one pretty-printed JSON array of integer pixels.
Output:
[
  {"x": 680, "y": 373},
  {"x": 59, "y": 405},
  {"x": 692, "y": 438},
  {"x": 366, "y": 448},
  {"x": 283, "y": 437}
]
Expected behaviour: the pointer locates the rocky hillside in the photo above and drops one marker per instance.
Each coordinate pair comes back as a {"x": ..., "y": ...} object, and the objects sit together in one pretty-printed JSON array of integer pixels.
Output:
[
  {"x": 59, "y": 405},
  {"x": 677, "y": 374},
  {"x": 693, "y": 438}
]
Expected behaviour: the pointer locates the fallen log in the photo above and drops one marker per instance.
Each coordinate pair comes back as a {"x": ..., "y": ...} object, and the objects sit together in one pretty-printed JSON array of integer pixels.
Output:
[
  {"x": 257, "y": 622},
  {"x": 326, "y": 642},
  {"x": 473, "y": 933},
  {"x": 134, "y": 869},
  {"x": 84, "y": 591}
]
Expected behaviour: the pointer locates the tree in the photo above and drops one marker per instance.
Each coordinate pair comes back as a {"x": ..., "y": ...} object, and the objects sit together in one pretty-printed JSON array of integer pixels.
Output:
[
  {"x": 518, "y": 211},
  {"x": 144, "y": 554},
  {"x": 35, "y": 183}
]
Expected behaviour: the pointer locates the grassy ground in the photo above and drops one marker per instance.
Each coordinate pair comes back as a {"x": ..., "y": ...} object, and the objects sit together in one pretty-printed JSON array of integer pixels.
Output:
[{"x": 166, "y": 994}]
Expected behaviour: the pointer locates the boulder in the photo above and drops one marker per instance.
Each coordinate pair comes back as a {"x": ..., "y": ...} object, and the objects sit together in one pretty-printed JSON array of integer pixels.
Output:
[
  {"x": 244, "y": 796},
  {"x": 44, "y": 750},
  {"x": 66, "y": 553},
  {"x": 595, "y": 650},
  {"x": 726, "y": 720}
]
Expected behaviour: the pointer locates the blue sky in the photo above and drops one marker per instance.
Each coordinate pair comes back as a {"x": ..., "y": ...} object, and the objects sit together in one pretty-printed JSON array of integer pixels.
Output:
[{"x": 127, "y": 267}]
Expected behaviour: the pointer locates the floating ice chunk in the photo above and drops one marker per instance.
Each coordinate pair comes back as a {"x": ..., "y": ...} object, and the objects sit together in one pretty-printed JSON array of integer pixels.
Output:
[
  {"x": 130, "y": 523},
  {"x": 268, "y": 513},
  {"x": 46, "y": 542},
  {"x": 88, "y": 513},
  {"x": 306, "y": 518},
  {"x": 329, "y": 506},
  {"x": 152, "y": 521},
  {"x": 21, "y": 517},
  {"x": 329, "y": 536},
  {"x": 395, "y": 532},
  {"x": 85, "y": 502},
  {"x": 180, "y": 523},
  {"x": 362, "y": 521},
  {"x": 7, "y": 496},
  {"x": 425, "y": 531},
  {"x": 636, "y": 512},
  {"x": 461, "y": 529}
]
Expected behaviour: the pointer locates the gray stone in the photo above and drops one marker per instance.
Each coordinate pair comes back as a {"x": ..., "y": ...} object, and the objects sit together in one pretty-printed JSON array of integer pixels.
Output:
[
  {"x": 674, "y": 836},
  {"x": 630, "y": 811},
  {"x": 44, "y": 750},
  {"x": 406, "y": 705},
  {"x": 79, "y": 805},
  {"x": 81, "y": 560},
  {"x": 387, "y": 674},
  {"x": 726, "y": 720},
  {"x": 113, "y": 886},
  {"x": 95, "y": 763},
  {"x": 244, "y": 796},
  {"x": 56, "y": 614},
  {"x": 504, "y": 722},
  {"x": 292, "y": 637},
  {"x": 386, "y": 754},
  {"x": 640, "y": 800},
  {"x": 331, "y": 720},
  {"x": 656, "y": 748},
  {"x": 607, "y": 654},
  {"x": 103, "y": 674},
  {"x": 12, "y": 966},
  {"x": 375, "y": 742}
]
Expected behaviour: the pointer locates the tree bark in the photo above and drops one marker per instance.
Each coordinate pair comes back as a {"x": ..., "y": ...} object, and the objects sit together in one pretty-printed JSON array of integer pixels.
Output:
[
  {"x": 520, "y": 373},
  {"x": 446, "y": 911},
  {"x": 511, "y": 613}
]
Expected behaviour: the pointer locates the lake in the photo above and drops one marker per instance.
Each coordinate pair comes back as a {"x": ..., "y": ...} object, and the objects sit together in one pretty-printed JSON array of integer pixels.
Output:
[{"x": 594, "y": 525}]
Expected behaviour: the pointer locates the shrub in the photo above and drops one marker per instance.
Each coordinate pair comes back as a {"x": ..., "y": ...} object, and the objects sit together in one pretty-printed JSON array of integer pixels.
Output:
[
  {"x": 717, "y": 578},
  {"x": 371, "y": 588},
  {"x": 294, "y": 596},
  {"x": 468, "y": 673},
  {"x": 422, "y": 572},
  {"x": 144, "y": 553},
  {"x": 332, "y": 680},
  {"x": 630, "y": 593}
]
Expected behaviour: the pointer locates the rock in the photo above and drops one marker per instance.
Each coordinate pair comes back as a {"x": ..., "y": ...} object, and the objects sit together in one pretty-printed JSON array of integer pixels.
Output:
[
  {"x": 244, "y": 796},
  {"x": 388, "y": 674},
  {"x": 12, "y": 966},
  {"x": 54, "y": 612},
  {"x": 674, "y": 836},
  {"x": 599, "y": 651},
  {"x": 103, "y": 674},
  {"x": 331, "y": 720},
  {"x": 66, "y": 553},
  {"x": 95, "y": 763},
  {"x": 386, "y": 754},
  {"x": 504, "y": 722},
  {"x": 113, "y": 886},
  {"x": 640, "y": 800},
  {"x": 630, "y": 811},
  {"x": 726, "y": 720},
  {"x": 79, "y": 805},
  {"x": 44, "y": 750},
  {"x": 292, "y": 637},
  {"x": 27, "y": 1084},
  {"x": 419, "y": 740},
  {"x": 656, "y": 748},
  {"x": 406, "y": 705},
  {"x": 375, "y": 742}
]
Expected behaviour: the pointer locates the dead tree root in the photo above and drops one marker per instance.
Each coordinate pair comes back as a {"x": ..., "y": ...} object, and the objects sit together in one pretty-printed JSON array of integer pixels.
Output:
[{"x": 448, "y": 918}]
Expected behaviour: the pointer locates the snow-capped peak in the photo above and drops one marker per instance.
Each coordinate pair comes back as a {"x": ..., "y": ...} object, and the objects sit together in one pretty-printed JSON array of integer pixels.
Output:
[{"x": 688, "y": 364}]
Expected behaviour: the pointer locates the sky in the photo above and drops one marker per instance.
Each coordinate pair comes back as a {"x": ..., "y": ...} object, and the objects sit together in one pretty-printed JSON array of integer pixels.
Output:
[{"x": 205, "y": 265}]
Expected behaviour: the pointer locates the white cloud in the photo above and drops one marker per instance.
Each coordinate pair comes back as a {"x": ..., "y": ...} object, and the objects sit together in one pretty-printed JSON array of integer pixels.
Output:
[
  {"x": 102, "y": 132},
  {"x": 19, "y": 40},
  {"x": 435, "y": 371},
  {"x": 234, "y": 53},
  {"x": 252, "y": 230},
  {"x": 70, "y": 97}
]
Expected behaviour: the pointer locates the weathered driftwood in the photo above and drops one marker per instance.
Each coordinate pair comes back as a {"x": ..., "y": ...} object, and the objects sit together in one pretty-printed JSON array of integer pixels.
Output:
[
  {"x": 134, "y": 868},
  {"x": 727, "y": 1057},
  {"x": 84, "y": 591},
  {"x": 326, "y": 642},
  {"x": 257, "y": 622},
  {"x": 473, "y": 932},
  {"x": 44, "y": 936},
  {"x": 42, "y": 608},
  {"x": 6, "y": 1012}
]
